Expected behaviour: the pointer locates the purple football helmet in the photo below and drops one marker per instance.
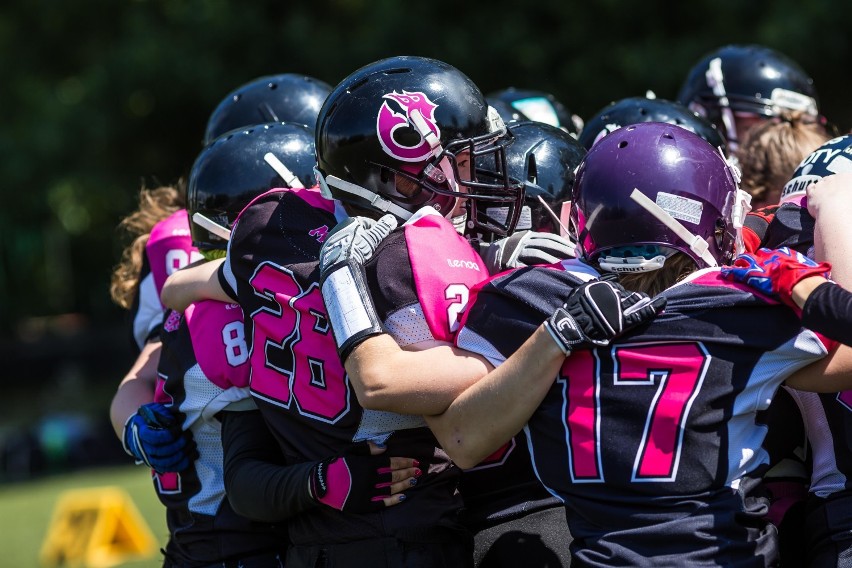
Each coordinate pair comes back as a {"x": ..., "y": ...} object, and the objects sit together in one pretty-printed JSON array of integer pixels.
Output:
[{"x": 693, "y": 187}]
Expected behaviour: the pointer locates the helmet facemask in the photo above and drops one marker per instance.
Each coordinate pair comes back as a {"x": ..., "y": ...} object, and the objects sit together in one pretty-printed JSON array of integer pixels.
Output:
[{"x": 473, "y": 169}]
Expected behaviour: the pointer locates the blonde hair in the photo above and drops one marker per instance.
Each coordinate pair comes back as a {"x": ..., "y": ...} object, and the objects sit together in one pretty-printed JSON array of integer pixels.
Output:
[
  {"x": 773, "y": 149},
  {"x": 154, "y": 206},
  {"x": 677, "y": 267}
]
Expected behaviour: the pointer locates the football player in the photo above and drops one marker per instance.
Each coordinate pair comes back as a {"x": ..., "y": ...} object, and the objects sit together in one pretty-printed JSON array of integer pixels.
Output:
[
  {"x": 738, "y": 86},
  {"x": 651, "y": 442}
]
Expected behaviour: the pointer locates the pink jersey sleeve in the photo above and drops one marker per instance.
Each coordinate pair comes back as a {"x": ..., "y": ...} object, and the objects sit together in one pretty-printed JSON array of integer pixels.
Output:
[
  {"x": 170, "y": 247},
  {"x": 219, "y": 342},
  {"x": 445, "y": 267}
]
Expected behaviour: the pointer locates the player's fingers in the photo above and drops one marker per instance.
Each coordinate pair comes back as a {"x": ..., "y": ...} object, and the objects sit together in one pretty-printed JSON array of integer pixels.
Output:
[
  {"x": 393, "y": 500},
  {"x": 376, "y": 449},
  {"x": 405, "y": 474},
  {"x": 403, "y": 485},
  {"x": 402, "y": 463}
]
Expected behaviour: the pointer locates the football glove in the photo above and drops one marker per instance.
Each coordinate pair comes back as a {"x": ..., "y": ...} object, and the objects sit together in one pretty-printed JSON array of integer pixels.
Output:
[
  {"x": 355, "y": 482},
  {"x": 775, "y": 272},
  {"x": 154, "y": 436},
  {"x": 344, "y": 288},
  {"x": 597, "y": 312},
  {"x": 525, "y": 248}
]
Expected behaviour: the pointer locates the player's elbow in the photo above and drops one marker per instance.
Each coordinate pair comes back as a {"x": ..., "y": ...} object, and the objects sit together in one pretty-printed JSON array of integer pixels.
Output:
[
  {"x": 462, "y": 454},
  {"x": 171, "y": 296},
  {"x": 373, "y": 395}
]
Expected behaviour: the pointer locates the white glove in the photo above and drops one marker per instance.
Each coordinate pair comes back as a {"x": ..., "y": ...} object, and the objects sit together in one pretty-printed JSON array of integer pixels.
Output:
[
  {"x": 526, "y": 248},
  {"x": 342, "y": 280}
]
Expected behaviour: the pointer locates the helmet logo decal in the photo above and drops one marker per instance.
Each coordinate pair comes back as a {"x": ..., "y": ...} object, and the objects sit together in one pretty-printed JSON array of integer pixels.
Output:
[{"x": 389, "y": 121}]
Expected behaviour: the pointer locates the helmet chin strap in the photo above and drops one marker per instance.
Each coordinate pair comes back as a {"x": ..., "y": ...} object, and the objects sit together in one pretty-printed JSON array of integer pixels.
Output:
[
  {"x": 716, "y": 81},
  {"x": 696, "y": 244},
  {"x": 211, "y": 225},
  {"x": 375, "y": 200},
  {"x": 289, "y": 177}
]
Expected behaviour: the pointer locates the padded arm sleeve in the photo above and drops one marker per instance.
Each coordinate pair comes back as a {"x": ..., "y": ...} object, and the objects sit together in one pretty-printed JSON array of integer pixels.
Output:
[
  {"x": 259, "y": 485},
  {"x": 828, "y": 310}
]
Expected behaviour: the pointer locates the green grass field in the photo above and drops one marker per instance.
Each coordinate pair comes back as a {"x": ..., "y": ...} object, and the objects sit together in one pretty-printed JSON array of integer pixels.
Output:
[{"x": 26, "y": 509}]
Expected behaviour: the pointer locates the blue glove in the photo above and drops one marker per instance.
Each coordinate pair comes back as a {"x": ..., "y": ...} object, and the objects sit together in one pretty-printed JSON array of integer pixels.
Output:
[{"x": 155, "y": 437}]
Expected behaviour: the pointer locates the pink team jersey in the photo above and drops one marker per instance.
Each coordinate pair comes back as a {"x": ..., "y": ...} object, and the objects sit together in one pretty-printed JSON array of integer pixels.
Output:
[{"x": 169, "y": 248}]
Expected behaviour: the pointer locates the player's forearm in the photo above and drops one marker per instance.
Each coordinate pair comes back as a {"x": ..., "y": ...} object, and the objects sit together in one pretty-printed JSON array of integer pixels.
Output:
[
  {"x": 192, "y": 284},
  {"x": 137, "y": 387},
  {"x": 258, "y": 482},
  {"x": 497, "y": 407},
  {"x": 386, "y": 377}
]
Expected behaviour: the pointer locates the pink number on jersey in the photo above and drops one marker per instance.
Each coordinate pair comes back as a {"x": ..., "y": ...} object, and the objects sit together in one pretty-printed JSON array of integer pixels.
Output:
[
  {"x": 675, "y": 370},
  {"x": 581, "y": 391},
  {"x": 299, "y": 328},
  {"x": 169, "y": 247},
  {"x": 679, "y": 370},
  {"x": 219, "y": 342},
  {"x": 442, "y": 263}
]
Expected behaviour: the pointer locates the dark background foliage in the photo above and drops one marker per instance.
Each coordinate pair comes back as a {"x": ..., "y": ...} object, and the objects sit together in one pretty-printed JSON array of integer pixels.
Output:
[{"x": 100, "y": 97}]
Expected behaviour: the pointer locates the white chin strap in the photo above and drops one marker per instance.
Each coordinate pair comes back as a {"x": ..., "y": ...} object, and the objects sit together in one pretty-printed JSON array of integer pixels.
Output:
[
  {"x": 376, "y": 201},
  {"x": 696, "y": 244},
  {"x": 212, "y": 226},
  {"x": 289, "y": 177}
]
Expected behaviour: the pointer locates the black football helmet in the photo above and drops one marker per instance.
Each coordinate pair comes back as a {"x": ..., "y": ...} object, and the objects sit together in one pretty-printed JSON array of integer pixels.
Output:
[
  {"x": 288, "y": 97},
  {"x": 634, "y": 110},
  {"x": 541, "y": 107},
  {"x": 242, "y": 164},
  {"x": 417, "y": 125},
  {"x": 506, "y": 111},
  {"x": 545, "y": 159},
  {"x": 751, "y": 79}
]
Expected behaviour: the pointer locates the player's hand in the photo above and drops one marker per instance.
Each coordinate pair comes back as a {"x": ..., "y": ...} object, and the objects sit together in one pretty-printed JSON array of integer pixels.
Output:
[
  {"x": 526, "y": 248},
  {"x": 155, "y": 437},
  {"x": 363, "y": 480},
  {"x": 774, "y": 272},
  {"x": 597, "y": 312},
  {"x": 354, "y": 240},
  {"x": 344, "y": 288}
]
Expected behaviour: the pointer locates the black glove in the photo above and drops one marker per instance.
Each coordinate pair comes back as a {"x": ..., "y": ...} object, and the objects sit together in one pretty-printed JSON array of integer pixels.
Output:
[
  {"x": 356, "y": 482},
  {"x": 597, "y": 312},
  {"x": 526, "y": 248},
  {"x": 344, "y": 288},
  {"x": 155, "y": 437}
]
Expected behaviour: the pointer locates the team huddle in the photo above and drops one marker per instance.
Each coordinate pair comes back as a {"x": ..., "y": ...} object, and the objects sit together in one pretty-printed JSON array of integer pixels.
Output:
[{"x": 397, "y": 322}]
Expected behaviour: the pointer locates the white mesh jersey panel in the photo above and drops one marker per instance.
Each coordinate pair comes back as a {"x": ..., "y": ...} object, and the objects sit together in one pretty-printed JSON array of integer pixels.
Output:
[
  {"x": 201, "y": 394},
  {"x": 408, "y": 326}
]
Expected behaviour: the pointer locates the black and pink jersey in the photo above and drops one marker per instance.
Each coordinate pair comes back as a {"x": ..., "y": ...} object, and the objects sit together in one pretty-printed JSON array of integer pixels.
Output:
[
  {"x": 297, "y": 380},
  {"x": 204, "y": 368},
  {"x": 169, "y": 248},
  {"x": 775, "y": 226},
  {"x": 654, "y": 444}
]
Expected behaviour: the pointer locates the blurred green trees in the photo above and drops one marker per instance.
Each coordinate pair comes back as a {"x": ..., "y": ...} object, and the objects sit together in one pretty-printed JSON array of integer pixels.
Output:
[{"x": 99, "y": 97}]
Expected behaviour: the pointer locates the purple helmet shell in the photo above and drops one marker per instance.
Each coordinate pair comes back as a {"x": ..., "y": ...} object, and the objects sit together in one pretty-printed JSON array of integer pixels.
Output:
[{"x": 678, "y": 170}]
